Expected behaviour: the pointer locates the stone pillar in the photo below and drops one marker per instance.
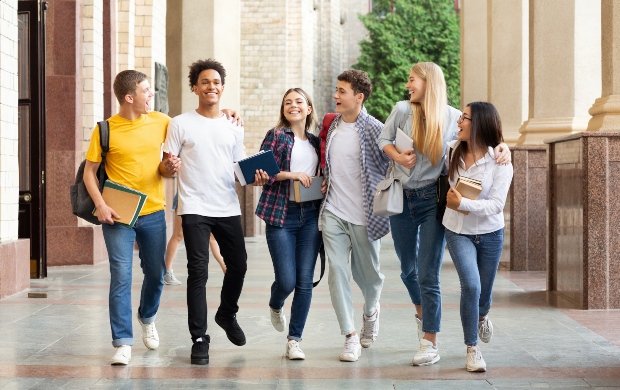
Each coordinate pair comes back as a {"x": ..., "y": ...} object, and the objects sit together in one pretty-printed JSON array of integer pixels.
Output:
[
  {"x": 68, "y": 242},
  {"x": 126, "y": 32},
  {"x": 508, "y": 63},
  {"x": 14, "y": 253},
  {"x": 584, "y": 234},
  {"x": 109, "y": 58},
  {"x": 565, "y": 67},
  {"x": 150, "y": 38},
  {"x": 92, "y": 68},
  {"x": 606, "y": 110},
  {"x": 474, "y": 51}
]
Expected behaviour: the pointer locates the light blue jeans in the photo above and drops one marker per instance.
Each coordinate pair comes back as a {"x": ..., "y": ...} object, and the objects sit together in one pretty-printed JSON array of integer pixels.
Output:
[
  {"x": 476, "y": 258},
  {"x": 294, "y": 249},
  {"x": 419, "y": 243},
  {"x": 150, "y": 234},
  {"x": 341, "y": 240}
]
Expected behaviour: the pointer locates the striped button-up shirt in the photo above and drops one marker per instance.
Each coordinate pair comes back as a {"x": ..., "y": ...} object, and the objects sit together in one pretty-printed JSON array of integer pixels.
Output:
[
  {"x": 273, "y": 203},
  {"x": 373, "y": 163}
]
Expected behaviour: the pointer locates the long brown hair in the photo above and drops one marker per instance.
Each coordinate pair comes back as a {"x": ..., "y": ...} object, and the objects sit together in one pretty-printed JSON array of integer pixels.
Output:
[
  {"x": 310, "y": 119},
  {"x": 486, "y": 130}
]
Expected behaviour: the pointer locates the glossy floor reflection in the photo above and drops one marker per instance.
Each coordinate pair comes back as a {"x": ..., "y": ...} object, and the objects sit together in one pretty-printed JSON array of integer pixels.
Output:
[{"x": 63, "y": 341}]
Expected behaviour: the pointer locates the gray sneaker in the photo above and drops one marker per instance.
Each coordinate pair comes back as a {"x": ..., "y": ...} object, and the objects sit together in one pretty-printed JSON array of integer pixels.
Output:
[
  {"x": 485, "y": 330},
  {"x": 170, "y": 279}
]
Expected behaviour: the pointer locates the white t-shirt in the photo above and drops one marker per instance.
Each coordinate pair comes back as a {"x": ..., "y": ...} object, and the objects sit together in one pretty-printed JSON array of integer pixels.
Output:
[
  {"x": 344, "y": 198},
  {"x": 207, "y": 148},
  {"x": 303, "y": 159}
]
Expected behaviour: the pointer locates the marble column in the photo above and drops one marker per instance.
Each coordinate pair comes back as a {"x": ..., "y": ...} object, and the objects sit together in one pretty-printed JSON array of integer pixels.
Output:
[
  {"x": 68, "y": 241},
  {"x": 109, "y": 58},
  {"x": 606, "y": 109},
  {"x": 565, "y": 67},
  {"x": 508, "y": 63},
  {"x": 474, "y": 51}
]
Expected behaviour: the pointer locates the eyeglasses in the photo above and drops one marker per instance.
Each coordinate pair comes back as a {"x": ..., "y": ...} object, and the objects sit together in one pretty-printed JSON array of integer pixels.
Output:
[{"x": 462, "y": 118}]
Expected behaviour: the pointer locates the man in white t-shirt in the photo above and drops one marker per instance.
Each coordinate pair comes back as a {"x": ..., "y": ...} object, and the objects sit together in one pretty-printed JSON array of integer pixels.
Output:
[
  {"x": 204, "y": 144},
  {"x": 354, "y": 167}
]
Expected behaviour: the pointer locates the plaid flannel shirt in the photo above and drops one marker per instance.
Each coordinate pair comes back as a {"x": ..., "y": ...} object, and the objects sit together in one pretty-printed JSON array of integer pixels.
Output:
[
  {"x": 273, "y": 203},
  {"x": 373, "y": 163}
]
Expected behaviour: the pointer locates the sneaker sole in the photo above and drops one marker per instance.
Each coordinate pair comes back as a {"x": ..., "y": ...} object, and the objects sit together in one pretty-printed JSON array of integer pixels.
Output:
[
  {"x": 479, "y": 369},
  {"x": 347, "y": 359},
  {"x": 202, "y": 362},
  {"x": 119, "y": 363},
  {"x": 295, "y": 358},
  {"x": 435, "y": 360},
  {"x": 366, "y": 344}
]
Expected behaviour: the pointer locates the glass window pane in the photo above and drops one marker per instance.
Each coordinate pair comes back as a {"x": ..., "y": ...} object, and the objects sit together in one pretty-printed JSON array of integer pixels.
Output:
[
  {"x": 23, "y": 55},
  {"x": 23, "y": 151}
]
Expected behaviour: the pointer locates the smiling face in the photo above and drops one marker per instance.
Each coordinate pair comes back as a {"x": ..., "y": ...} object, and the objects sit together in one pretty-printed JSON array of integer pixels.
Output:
[
  {"x": 295, "y": 108},
  {"x": 141, "y": 99},
  {"x": 348, "y": 103},
  {"x": 416, "y": 86},
  {"x": 464, "y": 124},
  {"x": 209, "y": 87}
]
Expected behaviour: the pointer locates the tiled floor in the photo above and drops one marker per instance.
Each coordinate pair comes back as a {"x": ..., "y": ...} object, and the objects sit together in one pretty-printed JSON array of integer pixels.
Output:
[{"x": 63, "y": 341}]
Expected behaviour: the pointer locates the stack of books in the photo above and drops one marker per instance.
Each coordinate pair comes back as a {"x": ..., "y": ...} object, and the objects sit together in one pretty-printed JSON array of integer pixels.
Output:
[{"x": 468, "y": 188}]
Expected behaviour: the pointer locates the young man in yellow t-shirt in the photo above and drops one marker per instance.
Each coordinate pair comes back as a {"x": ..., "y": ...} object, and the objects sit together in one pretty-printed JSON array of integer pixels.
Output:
[{"x": 133, "y": 160}]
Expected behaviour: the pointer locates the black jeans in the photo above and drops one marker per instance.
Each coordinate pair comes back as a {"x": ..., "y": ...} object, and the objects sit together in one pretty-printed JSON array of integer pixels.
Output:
[{"x": 229, "y": 235}]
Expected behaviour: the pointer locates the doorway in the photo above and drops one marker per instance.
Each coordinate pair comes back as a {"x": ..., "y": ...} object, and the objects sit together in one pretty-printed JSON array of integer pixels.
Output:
[{"x": 31, "y": 130}]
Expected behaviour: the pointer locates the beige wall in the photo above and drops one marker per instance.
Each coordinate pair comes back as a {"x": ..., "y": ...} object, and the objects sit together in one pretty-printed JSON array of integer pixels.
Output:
[{"x": 474, "y": 51}]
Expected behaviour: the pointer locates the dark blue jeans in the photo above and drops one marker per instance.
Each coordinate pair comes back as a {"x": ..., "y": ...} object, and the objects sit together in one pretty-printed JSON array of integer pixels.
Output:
[
  {"x": 419, "y": 243},
  {"x": 294, "y": 249},
  {"x": 476, "y": 258}
]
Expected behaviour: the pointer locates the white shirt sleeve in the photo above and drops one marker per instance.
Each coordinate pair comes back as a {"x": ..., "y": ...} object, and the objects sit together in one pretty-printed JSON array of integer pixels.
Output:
[
  {"x": 494, "y": 203},
  {"x": 172, "y": 145}
]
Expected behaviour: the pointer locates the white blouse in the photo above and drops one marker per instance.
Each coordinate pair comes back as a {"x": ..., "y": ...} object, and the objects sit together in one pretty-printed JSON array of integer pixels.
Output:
[{"x": 485, "y": 213}]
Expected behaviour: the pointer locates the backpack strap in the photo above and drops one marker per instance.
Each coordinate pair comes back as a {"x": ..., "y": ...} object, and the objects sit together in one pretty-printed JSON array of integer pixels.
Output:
[
  {"x": 328, "y": 119},
  {"x": 104, "y": 141}
]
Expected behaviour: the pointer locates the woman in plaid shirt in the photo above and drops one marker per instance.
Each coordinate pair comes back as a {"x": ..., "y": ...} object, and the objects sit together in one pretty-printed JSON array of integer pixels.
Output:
[{"x": 292, "y": 231}]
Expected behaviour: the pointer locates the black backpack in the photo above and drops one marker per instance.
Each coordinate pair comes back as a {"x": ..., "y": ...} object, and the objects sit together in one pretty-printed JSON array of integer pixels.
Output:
[{"x": 81, "y": 203}]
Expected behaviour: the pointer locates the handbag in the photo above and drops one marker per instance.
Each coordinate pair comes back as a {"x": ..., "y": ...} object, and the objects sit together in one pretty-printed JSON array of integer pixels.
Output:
[
  {"x": 388, "y": 195},
  {"x": 443, "y": 185},
  {"x": 81, "y": 203}
]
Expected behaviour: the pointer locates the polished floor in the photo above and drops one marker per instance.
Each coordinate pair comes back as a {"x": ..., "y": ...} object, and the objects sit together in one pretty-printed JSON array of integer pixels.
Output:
[{"x": 63, "y": 341}]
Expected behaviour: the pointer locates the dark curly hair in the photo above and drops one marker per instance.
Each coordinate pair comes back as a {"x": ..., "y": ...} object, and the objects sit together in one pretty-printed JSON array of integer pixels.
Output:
[
  {"x": 359, "y": 80},
  {"x": 198, "y": 66}
]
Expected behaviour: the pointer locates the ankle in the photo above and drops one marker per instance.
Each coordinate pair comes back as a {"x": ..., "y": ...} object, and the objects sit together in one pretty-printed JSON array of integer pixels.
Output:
[{"x": 351, "y": 335}]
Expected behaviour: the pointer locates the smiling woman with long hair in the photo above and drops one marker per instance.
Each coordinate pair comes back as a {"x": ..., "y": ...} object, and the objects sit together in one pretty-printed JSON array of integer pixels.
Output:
[{"x": 475, "y": 228}]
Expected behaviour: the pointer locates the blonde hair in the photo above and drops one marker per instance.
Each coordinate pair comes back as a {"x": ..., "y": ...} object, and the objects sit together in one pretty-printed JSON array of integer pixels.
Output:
[{"x": 430, "y": 141}]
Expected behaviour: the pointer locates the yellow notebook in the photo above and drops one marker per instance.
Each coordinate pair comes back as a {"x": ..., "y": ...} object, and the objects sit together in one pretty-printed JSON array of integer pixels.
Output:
[{"x": 125, "y": 201}]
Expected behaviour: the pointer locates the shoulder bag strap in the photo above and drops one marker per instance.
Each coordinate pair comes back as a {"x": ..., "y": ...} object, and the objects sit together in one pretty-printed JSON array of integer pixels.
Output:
[{"x": 104, "y": 140}]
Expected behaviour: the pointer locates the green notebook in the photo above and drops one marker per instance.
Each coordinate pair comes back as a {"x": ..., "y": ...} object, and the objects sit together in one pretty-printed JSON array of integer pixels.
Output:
[{"x": 125, "y": 201}]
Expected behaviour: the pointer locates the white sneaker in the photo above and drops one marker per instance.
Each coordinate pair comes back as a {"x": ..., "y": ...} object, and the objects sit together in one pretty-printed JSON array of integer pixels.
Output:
[
  {"x": 475, "y": 362},
  {"x": 170, "y": 279},
  {"x": 485, "y": 330},
  {"x": 278, "y": 320},
  {"x": 293, "y": 351},
  {"x": 427, "y": 355},
  {"x": 418, "y": 322},
  {"x": 149, "y": 334},
  {"x": 370, "y": 330},
  {"x": 122, "y": 356},
  {"x": 352, "y": 349}
]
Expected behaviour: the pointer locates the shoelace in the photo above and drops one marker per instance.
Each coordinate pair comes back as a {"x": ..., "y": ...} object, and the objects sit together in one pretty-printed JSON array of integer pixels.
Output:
[
  {"x": 484, "y": 327},
  {"x": 350, "y": 344},
  {"x": 150, "y": 330},
  {"x": 294, "y": 347},
  {"x": 476, "y": 356},
  {"x": 368, "y": 331}
]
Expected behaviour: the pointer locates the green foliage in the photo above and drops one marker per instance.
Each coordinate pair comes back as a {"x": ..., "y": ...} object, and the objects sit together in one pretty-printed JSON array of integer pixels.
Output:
[{"x": 417, "y": 31}]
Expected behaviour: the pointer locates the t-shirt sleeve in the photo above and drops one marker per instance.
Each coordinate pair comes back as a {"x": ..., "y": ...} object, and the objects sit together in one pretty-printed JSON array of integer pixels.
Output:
[
  {"x": 94, "y": 149},
  {"x": 172, "y": 145},
  {"x": 238, "y": 152}
]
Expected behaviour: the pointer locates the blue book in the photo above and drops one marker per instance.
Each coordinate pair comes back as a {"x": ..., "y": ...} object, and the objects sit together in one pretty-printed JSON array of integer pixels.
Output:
[{"x": 246, "y": 168}]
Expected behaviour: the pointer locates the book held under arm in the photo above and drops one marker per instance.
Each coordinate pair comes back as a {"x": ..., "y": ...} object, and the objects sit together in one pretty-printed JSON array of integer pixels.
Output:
[
  {"x": 125, "y": 201},
  {"x": 303, "y": 194},
  {"x": 246, "y": 168},
  {"x": 468, "y": 188},
  {"x": 403, "y": 142}
]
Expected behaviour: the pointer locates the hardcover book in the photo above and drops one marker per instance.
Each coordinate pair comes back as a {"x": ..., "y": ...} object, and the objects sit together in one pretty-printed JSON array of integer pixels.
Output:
[
  {"x": 303, "y": 194},
  {"x": 246, "y": 168},
  {"x": 125, "y": 201},
  {"x": 468, "y": 188}
]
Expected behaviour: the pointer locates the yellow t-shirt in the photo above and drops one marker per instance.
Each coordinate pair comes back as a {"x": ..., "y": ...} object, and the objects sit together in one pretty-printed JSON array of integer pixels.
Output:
[{"x": 134, "y": 155}]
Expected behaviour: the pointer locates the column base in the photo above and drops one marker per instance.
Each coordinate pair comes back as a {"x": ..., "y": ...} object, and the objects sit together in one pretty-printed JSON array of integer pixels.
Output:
[
  {"x": 605, "y": 114},
  {"x": 536, "y": 130},
  {"x": 14, "y": 267}
]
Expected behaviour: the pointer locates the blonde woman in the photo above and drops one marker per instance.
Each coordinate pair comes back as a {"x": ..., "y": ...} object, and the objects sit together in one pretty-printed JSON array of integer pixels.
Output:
[{"x": 418, "y": 236}]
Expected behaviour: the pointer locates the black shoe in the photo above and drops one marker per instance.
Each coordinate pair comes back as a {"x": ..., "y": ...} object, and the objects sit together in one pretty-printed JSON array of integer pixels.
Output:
[
  {"x": 232, "y": 329},
  {"x": 200, "y": 350}
]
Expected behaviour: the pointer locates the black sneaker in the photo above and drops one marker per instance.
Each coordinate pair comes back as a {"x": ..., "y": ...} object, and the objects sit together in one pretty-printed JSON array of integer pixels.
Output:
[
  {"x": 232, "y": 329},
  {"x": 200, "y": 350}
]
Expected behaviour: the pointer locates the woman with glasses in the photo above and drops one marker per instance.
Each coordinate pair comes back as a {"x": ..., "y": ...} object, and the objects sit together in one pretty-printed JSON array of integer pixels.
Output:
[
  {"x": 292, "y": 228},
  {"x": 418, "y": 235},
  {"x": 475, "y": 228}
]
